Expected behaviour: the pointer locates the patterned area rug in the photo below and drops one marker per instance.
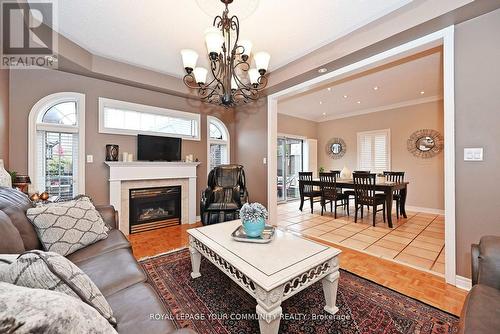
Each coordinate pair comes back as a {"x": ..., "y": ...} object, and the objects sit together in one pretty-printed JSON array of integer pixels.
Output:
[{"x": 213, "y": 303}]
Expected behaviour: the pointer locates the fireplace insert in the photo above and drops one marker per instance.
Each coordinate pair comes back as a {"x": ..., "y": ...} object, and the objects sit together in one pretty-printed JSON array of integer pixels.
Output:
[{"x": 153, "y": 208}]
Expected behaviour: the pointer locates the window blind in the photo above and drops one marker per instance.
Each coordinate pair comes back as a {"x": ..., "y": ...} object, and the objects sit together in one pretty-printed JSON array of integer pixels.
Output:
[
  {"x": 218, "y": 155},
  {"x": 373, "y": 151}
]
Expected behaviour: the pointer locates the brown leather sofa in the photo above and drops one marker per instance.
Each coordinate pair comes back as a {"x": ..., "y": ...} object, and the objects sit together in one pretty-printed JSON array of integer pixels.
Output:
[
  {"x": 109, "y": 263},
  {"x": 481, "y": 311}
]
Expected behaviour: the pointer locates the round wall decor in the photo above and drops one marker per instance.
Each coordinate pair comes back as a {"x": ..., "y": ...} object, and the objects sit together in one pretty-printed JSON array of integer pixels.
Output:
[
  {"x": 336, "y": 148},
  {"x": 425, "y": 143}
]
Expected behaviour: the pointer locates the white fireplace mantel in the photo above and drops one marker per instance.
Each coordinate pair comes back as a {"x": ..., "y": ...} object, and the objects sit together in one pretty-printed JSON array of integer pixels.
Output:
[{"x": 121, "y": 172}]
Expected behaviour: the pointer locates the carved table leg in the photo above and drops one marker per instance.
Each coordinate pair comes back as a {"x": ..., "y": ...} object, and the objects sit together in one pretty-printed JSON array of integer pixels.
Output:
[
  {"x": 195, "y": 262},
  {"x": 269, "y": 321},
  {"x": 330, "y": 285}
]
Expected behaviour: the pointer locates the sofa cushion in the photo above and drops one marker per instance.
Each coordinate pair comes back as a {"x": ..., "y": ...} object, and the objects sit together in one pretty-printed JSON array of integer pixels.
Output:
[
  {"x": 10, "y": 240},
  {"x": 10, "y": 197},
  {"x": 115, "y": 240},
  {"x": 51, "y": 271},
  {"x": 68, "y": 226},
  {"x": 134, "y": 317},
  {"x": 24, "y": 226},
  {"x": 113, "y": 271},
  {"x": 24, "y": 310},
  {"x": 481, "y": 311}
]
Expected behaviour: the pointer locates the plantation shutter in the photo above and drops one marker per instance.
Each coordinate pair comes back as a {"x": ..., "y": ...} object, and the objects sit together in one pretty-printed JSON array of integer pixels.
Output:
[
  {"x": 373, "y": 151},
  {"x": 218, "y": 155}
]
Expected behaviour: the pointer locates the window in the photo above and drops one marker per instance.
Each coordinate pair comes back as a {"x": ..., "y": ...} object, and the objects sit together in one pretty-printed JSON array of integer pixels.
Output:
[
  {"x": 218, "y": 143},
  {"x": 56, "y": 145},
  {"x": 125, "y": 118},
  {"x": 374, "y": 152}
]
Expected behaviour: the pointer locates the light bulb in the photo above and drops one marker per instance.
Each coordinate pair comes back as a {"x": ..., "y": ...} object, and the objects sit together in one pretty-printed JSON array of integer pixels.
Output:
[
  {"x": 189, "y": 59},
  {"x": 262, "y": 61},
  {"x": 214, "y": 41},
  {"x": 200, "y": 75}
]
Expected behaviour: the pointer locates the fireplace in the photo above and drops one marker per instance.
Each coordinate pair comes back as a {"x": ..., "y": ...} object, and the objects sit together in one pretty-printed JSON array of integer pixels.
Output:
[{"x": 153, "y": 208}]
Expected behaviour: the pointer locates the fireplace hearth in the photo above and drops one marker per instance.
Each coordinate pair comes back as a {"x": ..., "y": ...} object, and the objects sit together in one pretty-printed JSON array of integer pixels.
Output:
[{"x": 153, "y": 208}]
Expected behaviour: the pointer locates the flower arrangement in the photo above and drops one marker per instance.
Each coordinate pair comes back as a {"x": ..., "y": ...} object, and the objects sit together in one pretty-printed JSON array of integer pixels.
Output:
[{"x": 253, "y": 212}]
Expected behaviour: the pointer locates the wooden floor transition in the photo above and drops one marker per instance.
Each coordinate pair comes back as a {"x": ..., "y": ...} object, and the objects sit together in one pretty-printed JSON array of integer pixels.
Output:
[{"x": 424, "y": 286}]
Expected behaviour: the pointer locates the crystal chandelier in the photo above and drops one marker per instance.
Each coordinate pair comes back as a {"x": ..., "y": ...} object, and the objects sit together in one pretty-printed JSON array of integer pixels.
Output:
[{"x": 232, "y": 81}]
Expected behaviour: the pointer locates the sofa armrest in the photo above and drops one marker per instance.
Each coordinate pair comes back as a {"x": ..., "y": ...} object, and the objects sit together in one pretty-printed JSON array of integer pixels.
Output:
[
  {"x": 109, "y": 215},
  {"x": 474, "y": 262},
  {"x": 489, "y": 261}
]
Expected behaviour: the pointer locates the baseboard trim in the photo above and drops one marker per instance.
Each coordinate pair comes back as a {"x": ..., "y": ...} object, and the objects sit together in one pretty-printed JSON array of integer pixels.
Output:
[
  {"x": 463, "y": 282},
  {"x": 198, "y": 218},
  {"x": 424, "y": 210}
]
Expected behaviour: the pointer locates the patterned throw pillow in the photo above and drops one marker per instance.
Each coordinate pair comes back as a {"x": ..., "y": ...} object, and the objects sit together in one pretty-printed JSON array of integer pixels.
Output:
[
  {"x": 51, "y": 271},
  {"x": 68, "y": 226},
  {"x": 24, "y": 310}
]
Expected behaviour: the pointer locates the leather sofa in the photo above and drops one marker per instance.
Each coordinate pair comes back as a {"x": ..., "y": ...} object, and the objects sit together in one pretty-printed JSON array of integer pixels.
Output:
[
  {"x": 481, "y": 311},
  {"x": 109, "y": 263},
  {"x": 225, "y": 195}
]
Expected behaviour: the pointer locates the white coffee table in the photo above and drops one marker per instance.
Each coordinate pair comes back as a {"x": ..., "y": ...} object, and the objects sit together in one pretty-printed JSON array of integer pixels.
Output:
[{"x": 271, "y": 272}]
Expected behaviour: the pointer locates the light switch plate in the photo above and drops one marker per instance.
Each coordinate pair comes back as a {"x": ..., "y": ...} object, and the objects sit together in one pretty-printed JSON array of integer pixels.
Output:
[
  {"x": 90, "y": 158},
  {"x": 473, "y": 154},
  {"x": 264, "y": 161}
]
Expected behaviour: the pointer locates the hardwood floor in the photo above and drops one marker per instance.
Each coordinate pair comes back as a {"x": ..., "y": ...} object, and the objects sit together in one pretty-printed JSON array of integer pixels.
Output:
[{"x": 424, "y": 286}]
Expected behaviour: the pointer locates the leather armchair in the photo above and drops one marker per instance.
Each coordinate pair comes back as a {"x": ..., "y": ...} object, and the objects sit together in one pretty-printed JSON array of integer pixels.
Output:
[
  {"x": 225, "y": 195},
  {"x": 481, "y": 311}
]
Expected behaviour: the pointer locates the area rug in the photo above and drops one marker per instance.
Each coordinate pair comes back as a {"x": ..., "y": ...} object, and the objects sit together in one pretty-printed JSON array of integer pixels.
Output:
[{"x": 213, "y": 303}]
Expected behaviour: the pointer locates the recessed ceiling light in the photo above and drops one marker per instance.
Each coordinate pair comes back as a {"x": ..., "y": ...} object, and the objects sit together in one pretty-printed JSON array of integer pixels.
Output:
[
  {"x": 324, "y": 114},
  {"x": 375, "y": 88},
  {"x": 345, "y": 96},
  {"x": 329, "y": 89},
  {"x": 323, "y": 70},
  {"x": 359, "y": 102},
  {"x": 320, "y": 102},
  {"x": 422, "y": 93}
]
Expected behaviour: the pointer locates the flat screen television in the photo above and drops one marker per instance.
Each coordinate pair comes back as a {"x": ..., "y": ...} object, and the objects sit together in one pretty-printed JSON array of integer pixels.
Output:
[{"x": 156, "y": 148}]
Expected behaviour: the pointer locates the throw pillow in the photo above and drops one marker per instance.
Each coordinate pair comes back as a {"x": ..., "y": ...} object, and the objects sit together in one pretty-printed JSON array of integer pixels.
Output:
[
  {"x": 66, "y": 227},
  {"x": 24, "y": 310},
  {"x": 51, "y": 271}
]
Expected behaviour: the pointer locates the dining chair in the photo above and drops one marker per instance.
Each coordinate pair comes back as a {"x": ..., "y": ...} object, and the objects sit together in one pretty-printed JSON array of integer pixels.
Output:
[
  {"x": 352, "y": 192},
  {"x": 307, "y": 190},
  {"x": 330, "y": 193},
  {"x": 364, "y": 188},
  {"x": 397, "y": 177}
]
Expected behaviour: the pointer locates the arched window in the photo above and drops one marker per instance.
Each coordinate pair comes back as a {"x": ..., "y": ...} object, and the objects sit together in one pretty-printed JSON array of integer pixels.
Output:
[
  {"x": 218, "y": 143},
  {"x": 57, "y": 146}
]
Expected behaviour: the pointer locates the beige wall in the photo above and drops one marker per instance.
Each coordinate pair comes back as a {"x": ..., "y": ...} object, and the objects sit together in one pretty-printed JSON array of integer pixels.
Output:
[
  {"x": 29, "y": 86},
  {"x": 251, "y": 147},
  {"x": 477, "y": 108},
  {"x": 297, "y": 126},
  {"x": 426, "y": 176},
  {"x": 4, "y": 116}
]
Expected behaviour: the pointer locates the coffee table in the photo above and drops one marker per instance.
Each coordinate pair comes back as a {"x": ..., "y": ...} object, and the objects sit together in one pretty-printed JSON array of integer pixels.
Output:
[{"x": 271, "y": 272}]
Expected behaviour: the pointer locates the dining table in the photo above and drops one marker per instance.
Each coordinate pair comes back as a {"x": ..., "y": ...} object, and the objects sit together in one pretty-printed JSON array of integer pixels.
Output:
[{"x": 387, "y": 187}]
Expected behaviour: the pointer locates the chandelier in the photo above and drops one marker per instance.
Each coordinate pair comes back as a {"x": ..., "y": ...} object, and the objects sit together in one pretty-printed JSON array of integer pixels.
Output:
[{"x": 233, "y": 81}]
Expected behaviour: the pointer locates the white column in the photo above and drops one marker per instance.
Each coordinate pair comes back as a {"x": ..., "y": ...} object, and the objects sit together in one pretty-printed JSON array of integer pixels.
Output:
[
  {"x": 192, "y": 200},
  {"x": 115, "y": 199}
]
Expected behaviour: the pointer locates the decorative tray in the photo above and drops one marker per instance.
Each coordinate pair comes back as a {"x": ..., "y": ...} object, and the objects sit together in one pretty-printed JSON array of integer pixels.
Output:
[{"x": 266, "y": 236}]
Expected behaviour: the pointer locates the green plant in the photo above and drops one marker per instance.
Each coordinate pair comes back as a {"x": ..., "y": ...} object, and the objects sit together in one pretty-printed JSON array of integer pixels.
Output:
[
  {"x": 321, "y": 169},
  {"x": 13, "y": 175}
]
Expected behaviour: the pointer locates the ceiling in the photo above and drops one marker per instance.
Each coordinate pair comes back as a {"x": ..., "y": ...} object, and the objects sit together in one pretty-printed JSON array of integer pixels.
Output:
[
  {"x": 413, "y": 80},
  {"x": 151, "y": 34}
]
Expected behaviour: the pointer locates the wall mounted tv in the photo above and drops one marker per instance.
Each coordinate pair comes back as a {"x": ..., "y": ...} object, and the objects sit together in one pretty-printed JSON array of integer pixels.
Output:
[{"x": 155, "y": 148}]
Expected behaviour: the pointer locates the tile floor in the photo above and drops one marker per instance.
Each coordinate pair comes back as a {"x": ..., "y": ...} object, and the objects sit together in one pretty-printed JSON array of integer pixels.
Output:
[{"x": 417, "y": 240}]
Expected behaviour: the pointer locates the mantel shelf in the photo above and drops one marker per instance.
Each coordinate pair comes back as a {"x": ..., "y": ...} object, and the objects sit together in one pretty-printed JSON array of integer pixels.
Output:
[{"x": 151, "y": 163}]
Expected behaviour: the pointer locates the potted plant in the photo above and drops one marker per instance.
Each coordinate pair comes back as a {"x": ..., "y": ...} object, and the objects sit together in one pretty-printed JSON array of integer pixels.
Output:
[{"x": 253, "y": 217}]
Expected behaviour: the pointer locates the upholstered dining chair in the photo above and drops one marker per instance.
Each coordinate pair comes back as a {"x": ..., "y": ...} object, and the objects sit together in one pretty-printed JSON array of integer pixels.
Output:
[
  {"x": 364, "y": 188},
  {"x": 307, "y": 190},
  {"x": 396, "y": 177},
  {"x": 330, "y": 193}
]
